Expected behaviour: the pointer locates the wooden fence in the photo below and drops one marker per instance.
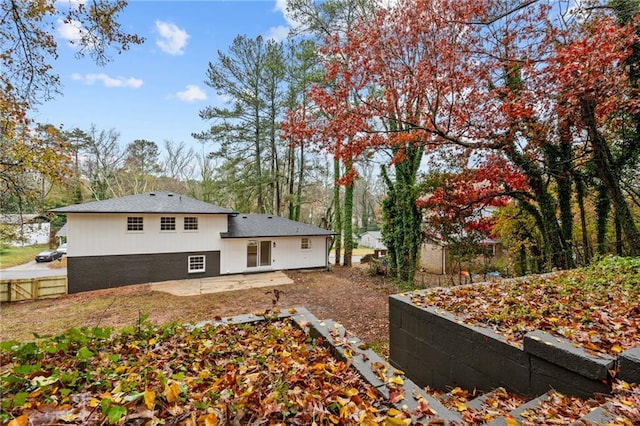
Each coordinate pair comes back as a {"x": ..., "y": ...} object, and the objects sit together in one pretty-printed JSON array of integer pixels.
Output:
[{"x": 32, "y": 288}]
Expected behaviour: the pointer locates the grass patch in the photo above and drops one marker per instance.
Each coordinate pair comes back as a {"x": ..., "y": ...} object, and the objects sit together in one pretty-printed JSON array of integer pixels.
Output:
[
  {"x": 14, "y": 256},
  {"x": 361, "y": 251},
  {"x": 381, "y": 348}
]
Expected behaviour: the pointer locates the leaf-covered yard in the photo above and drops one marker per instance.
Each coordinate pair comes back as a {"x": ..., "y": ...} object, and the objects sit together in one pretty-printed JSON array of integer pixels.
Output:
[
  {"x": 274, "y": 372},
  {"x": 261, "y": 373},
  {"x": 596, "y": 307}
]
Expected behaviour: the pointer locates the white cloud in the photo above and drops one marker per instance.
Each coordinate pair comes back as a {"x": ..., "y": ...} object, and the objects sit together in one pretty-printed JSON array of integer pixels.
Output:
[
  {"x": 172, "y": 39},
  {"x": 108, "y": 81},
  {"x": 65, "y": 4},
  {"x": 278, "y": 33},
  {"x": 70, "y": 31},
  {"x": 281, "y": 6},
  {"x": 192, "y": 93}
]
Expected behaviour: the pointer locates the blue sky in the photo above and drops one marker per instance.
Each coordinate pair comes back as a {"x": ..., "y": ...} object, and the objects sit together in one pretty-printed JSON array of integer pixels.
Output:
[{"x": 155, "y": 91}]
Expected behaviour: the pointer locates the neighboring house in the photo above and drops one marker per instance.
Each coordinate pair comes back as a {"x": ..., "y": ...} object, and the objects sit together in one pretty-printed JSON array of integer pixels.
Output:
[
  {"x": 372, "y": 239},
  {"x": 162, "y": 236},
  {"x": 29, "y": 229},
  {"x": 434, "y": 255}
]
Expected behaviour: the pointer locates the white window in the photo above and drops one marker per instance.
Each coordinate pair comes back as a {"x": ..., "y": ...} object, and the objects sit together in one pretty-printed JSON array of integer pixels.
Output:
[
  {"x": 135, "y": 223},
  {"x": 305, "y": 243},
  {"x": 190, "y": 223},
  {"x": 196, "y": 264},
  {"x": 167, "y": 223}
]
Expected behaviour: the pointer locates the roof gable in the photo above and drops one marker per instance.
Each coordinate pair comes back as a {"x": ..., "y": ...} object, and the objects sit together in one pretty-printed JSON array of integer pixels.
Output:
[
  {"x": 150, "y": 202},
  {"x": 263, "y": 225}
]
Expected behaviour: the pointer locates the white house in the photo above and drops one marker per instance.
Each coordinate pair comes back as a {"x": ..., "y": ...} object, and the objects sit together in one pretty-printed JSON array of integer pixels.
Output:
[
  {"x": 161, "y": 236},
  {"x": 372, "y": 239},
  {"x": 29, "y": 229}
]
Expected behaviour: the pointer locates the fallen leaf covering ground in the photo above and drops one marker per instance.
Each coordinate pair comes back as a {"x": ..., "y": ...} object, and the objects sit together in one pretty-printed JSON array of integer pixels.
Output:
[
  {"x": 498, "y": 404},
  {"x": 561, "y": 409},
  {"x": 349, "y": 295},
  {"x": 555, "y": 409},
  {"x": 264, "y": 373},
  {"x": 270, "y": 372},
  {"x": 597, "y": 307}
]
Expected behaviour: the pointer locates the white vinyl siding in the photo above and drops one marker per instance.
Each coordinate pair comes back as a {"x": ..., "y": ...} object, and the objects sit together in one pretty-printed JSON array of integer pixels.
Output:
[
  {"x": 285, "y": 254},
  {"x": 99, "y": 234}
]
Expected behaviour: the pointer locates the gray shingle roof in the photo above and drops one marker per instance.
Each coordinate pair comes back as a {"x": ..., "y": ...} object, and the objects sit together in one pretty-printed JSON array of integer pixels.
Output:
[
  {"x": 263, "y": 225},
  {"x": 150, "y": 202},
  {"x": 63, "y": 232}
]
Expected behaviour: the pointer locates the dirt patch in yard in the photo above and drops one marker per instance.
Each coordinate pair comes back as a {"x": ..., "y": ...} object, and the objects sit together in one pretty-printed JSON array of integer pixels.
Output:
[{"x": 350, "y": 296}]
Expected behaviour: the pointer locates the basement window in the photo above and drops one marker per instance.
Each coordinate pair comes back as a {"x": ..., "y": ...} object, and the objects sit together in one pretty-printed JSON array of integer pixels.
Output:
[{"x": 196, "y": 264}]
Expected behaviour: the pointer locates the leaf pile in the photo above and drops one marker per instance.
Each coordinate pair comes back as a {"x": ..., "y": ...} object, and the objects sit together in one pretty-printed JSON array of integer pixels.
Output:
[
  {"x": 262, "y": 373},
  {"x": 555, "y": 409},
  {"x": 559, "y": 409},
  {"x": 495, "y": 404},
  {"x": 597, "y": 307}
]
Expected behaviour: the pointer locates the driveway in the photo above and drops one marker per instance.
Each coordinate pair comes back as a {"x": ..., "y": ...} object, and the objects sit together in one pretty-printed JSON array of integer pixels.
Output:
[{"x": 32, "y": 269}]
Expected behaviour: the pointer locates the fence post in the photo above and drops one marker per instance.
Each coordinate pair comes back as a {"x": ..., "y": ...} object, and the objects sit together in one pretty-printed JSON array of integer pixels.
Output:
[{"x": 34, "y": 288}]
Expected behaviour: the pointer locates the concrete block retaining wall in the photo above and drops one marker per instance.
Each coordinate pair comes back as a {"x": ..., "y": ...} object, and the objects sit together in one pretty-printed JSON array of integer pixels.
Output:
[{"x": 435, "y": 348}]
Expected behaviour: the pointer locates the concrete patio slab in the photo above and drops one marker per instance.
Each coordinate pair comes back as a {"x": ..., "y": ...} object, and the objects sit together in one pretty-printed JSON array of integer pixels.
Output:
[{"x": 224, "y": 283}]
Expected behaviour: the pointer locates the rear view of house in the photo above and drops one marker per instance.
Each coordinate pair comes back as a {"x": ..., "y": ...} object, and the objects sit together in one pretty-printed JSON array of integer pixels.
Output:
[{"x": 161, "y": 236}]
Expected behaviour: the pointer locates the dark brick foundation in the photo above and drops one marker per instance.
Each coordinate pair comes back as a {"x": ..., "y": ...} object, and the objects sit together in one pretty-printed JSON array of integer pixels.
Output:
[{"x": 99, "y": 272}]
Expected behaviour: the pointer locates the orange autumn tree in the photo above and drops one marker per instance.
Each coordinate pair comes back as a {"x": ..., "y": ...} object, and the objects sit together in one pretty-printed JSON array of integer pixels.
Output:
[
  {"x": 471, "y": 79},
  {"x": 458, "y": 207}
]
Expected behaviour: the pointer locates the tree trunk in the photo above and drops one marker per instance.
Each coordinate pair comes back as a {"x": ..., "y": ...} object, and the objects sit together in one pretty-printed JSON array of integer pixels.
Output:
[
  {"x": 609, "y": 175},
  {"x": 391, "y": 225},
  {"x": 291, "y": 177},
  {"x": 402, "y": 228},
  {"x": 348, "y": 219},
  {"x": 258, "y": 161},
  {"x": 586, "y": 247},
  {"x": 554, "y": 248},
  {"x": 298, "y": 200},
  {"x": 602, "y": 217},
  {"x": 337, "y": 224},
  {"x": 619, "y": 245},
  {"x": 563, "y": 165}
]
